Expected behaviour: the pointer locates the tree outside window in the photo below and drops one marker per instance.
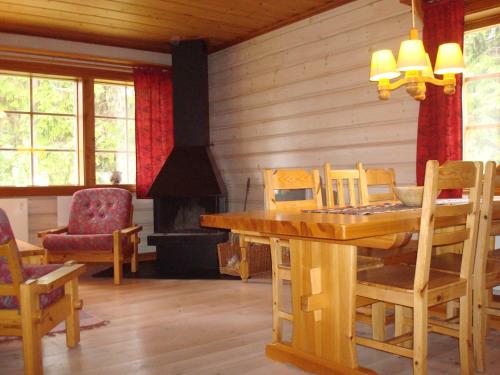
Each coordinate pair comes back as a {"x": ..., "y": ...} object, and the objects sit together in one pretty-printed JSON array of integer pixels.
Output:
[
  {"x": 38, "y": 131},
  {"x": 481, "y": 94},
  {"x": 114, "y": 132}
]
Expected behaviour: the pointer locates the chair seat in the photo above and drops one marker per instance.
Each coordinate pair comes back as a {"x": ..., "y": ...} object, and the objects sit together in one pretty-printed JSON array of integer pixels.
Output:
[
  {"x": 405, "y": 254},
  {"x": 496, "y": 254},
  {"x": 33, "y": 272},
  {"x": 78, "y": 242},
  {"x": 451, "y": 263},
  {"x": 366, "y": 263},
  {"x": 400, "y": 278}
]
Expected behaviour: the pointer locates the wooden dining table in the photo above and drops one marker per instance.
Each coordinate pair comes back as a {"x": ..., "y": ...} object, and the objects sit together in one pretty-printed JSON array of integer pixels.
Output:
[{"x": 325, "y": 241}]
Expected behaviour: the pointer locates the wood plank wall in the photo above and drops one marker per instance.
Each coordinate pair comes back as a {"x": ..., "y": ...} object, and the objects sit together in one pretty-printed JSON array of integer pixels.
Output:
[{"x": 300, "y": 96}]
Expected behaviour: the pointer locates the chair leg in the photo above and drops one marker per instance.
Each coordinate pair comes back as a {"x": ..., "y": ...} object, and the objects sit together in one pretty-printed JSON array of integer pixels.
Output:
[
  {"x": 465, "y": 334},
  {"x": 276, "y": 260},
  {"x": 117, "y": 258},
  {"x": 135, "y": 251},
  {"x": 32, "y": 342},
  {"x": 73, "y": 319},
  {"x": 420, "y": 334},
  {"x": 117, "y": 272},
  {"x": 479, "y": 318},
  {"x": 378, "y": 321},
  {"x": 451, "y": 309},
  {"x": 244, "y": 268},
  {"x": 401, "y": 314}
]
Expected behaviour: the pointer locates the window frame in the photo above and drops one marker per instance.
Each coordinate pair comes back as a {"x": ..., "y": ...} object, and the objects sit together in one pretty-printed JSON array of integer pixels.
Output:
[{"x": 85, "y": 78}]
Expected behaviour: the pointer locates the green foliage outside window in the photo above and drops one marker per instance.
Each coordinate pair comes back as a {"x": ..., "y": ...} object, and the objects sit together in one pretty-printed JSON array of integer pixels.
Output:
[
  {"x": 481, "y": 95},
  {"x": 114, "y": 132},
  {"x": 38, "y": 131}
]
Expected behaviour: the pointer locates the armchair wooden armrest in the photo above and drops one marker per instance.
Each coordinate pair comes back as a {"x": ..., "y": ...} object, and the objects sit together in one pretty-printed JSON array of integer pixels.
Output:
[
  {"x": 131, "y": 230},
  {"x": 27, "y": 249},
  {"x": 58, "y": 230},
  {"x": 58, "y": 278}
]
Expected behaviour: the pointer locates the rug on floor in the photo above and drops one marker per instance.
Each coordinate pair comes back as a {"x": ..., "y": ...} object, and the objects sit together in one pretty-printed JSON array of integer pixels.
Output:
[{"x": 87, "y": 321}]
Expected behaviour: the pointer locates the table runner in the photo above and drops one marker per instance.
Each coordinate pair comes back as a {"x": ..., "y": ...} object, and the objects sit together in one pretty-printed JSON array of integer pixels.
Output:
[{"x": 364, "y": 210}]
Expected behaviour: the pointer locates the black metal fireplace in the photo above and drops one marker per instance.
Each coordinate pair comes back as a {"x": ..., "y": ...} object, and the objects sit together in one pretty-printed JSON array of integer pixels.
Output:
[{"x": 189, "y": 183}]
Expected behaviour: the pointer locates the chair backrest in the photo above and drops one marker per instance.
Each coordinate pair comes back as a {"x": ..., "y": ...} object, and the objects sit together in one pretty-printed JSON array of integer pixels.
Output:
[
  {"x": 451, "y": 175},
  {"x": 280, "y": 180},
  {"x": 339, "y": 179},
  {"x": 99, "y": 211},
  {"x": 487, "y": 227},
  {"x": 11, "y": 274},
  {"x": 376, "y": 178}
]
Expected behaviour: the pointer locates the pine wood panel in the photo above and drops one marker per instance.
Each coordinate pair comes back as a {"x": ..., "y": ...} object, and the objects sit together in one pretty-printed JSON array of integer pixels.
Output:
[
  {"x": 152, "y": 24},
  {"x": 299, "y": 96}
]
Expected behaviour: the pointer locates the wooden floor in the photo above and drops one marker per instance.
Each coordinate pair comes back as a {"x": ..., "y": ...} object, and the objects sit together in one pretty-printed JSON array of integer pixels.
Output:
[{"x": 195, "y": 327}]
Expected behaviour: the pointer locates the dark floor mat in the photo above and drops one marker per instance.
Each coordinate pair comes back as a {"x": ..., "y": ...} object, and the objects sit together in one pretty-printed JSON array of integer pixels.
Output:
[{"x": 151, "y": 270}]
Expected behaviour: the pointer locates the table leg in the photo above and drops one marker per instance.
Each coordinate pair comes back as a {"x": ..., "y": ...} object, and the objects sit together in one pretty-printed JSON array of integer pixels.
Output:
[{"x": 324, "y": 310}]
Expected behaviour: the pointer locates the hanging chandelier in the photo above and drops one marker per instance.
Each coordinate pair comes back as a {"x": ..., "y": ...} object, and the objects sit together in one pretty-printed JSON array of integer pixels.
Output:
[{"x": 415, "y": 63}]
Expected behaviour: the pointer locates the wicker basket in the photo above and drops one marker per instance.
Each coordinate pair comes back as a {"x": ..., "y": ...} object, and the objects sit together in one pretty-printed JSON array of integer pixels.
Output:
[{"x": 258, "y": 256}]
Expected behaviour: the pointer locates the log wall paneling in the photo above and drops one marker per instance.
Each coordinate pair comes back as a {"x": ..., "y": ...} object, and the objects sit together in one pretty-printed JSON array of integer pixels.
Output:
[{"x": 299, "y": 96}]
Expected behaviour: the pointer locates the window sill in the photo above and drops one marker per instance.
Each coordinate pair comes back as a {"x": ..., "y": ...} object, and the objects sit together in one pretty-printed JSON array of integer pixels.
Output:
[{"x": 28, "y": 191}]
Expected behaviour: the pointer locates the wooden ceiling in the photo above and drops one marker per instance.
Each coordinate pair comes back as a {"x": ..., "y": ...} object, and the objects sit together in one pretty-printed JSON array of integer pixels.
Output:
[{"x": 152, "y": 24}]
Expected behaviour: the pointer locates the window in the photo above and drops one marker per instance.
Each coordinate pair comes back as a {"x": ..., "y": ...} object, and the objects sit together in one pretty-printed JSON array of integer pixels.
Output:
[
  {"x": 114, "y": 132},
  {"x": 481, "y": 93},
  {"x": 38, "y": 131},
  {"x": 49, "y": 144}
]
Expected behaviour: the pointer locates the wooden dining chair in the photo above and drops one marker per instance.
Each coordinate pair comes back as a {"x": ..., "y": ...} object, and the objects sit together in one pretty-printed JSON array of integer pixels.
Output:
[
  {"x": 342, "y": 187},
  {"x": 302, "y": 190},
  {"x": 418, "y": 287},
  {"x": 287, "y": 189},
  {"x": 486, "y": 266},
  {"x": 376, "y": 186},
  {"x": 293, "y": 189}
]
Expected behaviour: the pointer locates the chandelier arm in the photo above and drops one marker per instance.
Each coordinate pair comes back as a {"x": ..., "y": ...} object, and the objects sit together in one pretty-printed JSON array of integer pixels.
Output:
[
  {"x": 397, "y": 84},
  {"x": 441, "y": 82}
]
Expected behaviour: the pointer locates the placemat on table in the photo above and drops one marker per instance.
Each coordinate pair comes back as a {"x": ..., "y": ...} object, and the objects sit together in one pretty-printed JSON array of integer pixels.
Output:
[{"x": 364, "y": 210}]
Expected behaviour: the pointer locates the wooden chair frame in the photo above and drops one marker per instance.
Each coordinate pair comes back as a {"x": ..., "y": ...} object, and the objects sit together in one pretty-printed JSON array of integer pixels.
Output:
[
  {"x": 419, "y": 297},
  {"x": 484, "y": 281},
  {"x": 286, "y": 179},
  {"x": 30, "y": 321},
  {"x": 117, "y": 257},
  {"x": 376, "y": 177},
  {"x": 342, "y": 176}
]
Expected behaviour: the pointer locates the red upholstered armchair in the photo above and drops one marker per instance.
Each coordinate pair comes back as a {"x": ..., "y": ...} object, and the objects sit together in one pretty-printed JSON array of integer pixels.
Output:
[
  {"x": 35, "y": 298},
  {"x": 100, "y": 230}
]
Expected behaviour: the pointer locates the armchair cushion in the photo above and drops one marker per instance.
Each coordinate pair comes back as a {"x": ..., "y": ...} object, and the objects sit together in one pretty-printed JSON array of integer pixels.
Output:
[
  {"x": 29, "y": 272},
  {"x": 99, "y": 211},
  {"x": 78, "y": 242}
]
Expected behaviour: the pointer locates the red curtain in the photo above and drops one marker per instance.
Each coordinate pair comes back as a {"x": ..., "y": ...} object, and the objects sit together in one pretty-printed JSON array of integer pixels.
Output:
[
  {"x": 154, "y": 124},
  {"x": 440, "y": 117}
]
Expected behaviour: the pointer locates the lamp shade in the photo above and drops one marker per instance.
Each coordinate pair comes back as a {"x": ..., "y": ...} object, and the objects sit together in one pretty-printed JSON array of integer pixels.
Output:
[
  {"x": 383, "y": 65},
  {"x": 411, "y": 56},
  {"x": 428, "y": 69},
  {"x": 449, "y": 59}
]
